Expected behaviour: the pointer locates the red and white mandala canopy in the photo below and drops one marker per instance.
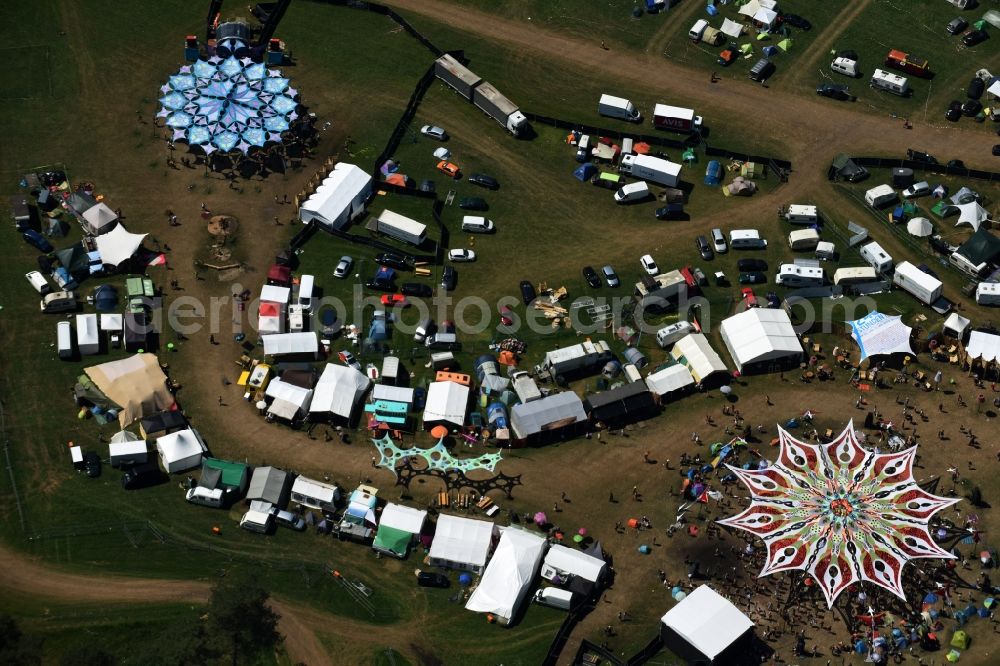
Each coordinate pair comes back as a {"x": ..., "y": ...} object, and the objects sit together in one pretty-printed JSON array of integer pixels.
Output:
[{"x": 840, "y": 512}]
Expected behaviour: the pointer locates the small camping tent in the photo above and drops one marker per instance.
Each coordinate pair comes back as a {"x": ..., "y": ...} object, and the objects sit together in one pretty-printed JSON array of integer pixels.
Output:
[
  {"x": 99, "y": 219},
  {"x": 713, "y": 173},
  {"x": 584, "y": 172}
]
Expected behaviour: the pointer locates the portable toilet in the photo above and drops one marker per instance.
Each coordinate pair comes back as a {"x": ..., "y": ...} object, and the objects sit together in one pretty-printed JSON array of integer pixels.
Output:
[
  {"x": 713, "y": 173},
  {"x": 636, "y": 357}
]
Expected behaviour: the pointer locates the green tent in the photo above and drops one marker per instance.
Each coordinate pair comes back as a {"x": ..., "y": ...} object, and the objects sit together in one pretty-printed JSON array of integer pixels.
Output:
[
  {"x": 960, "y": 640},
  {"x": 392, "y": 540},
  {"x": 785, "y": 44}
]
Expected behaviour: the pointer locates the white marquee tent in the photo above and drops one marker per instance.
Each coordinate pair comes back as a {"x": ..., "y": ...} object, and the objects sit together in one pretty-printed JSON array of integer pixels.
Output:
[
  {"x": 99, "y": 219},
  {"x": 339, "y": 199},
  {"x": 760, "y": 335},
  {"x": 970, "y": 213},
  {"x": 289, "y": 399},
  {"x": 339, "y": 391},
  {"x": 878, "y": 334},
  {"x": 697, "y": 355},
  {"x": 447, "y": 404},
  {"x": 181, "y": 450},
  {"x": 118, "y": 245},
  {"x": 290, "y": 343},
  {"x": 461, "y": 543},
  {"x": 510, "y": 573},
  {"x": 670, "y": 379},
  {"x": 704, "y": 623},
  {"x": 985, "y": 346},
  {"x": 561, "y": 560}
]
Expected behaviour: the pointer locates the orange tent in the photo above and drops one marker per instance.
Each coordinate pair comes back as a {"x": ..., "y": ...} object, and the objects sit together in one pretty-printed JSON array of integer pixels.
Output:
[
  {"x": 507, "y": 358},
  {"x": 439, "y": 432}
]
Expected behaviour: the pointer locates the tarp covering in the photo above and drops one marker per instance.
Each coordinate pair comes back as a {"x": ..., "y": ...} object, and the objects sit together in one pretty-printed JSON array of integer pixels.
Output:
[
  {"x": 985, "y": 346},
  {"x": 981, "y": 247},
  {"x": 272, "y": 293},
  {"x": 554, "y": 411},
  {"x": 447, "y": 403},
  {"x": 731, "y": 28},
  {"x": 758, "y": 335},
  {"x": 118, "y": 245},
  {"x": 100, "y": 219},
  {"x": 461, "y": 543},
  {"x": 136, "y": 384},
  {"x": 878, "y": 333},
  {"x": 707, "y": 621},
  {"x": 510, "y": 573},
  {"x": 339, "y": 390},
  {"x": 695, "y": 352},
  {"x": 290, "y": 343},
  {"x": 392, "y": 540},
  {"x": 269, "y": 484},
  {"x": 339, "y": 198}
]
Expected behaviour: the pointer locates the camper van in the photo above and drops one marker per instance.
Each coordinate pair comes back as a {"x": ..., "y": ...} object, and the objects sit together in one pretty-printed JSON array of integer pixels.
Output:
[
  {"x": 795, "y": 276},
  {"x": 988, "y": 293},
  {"x": 668, "y": 335},
  {"x": 475, "y": 224},
  {"x": 583, "y": 148},
  {"x": 697, "y": 30},
  {"x": 803, "y": 239},
  {"x": 802, "y": 214},
  {"x": 877, "y": 197},
  {"x": 826, "y": 250},
  {"x": 845, "y": 66},
  {"x": 64, "y": 340},
  {"x": 746, "y": 239},
  {"x": 854, "y": 275},
  {"x": 632, "y": 192},
  {"x": 214, "y": 498},
  {"x": 962, "y": 263},
  {"x": 38, "y": 281},
  {"x": 555, "y": 597},
  {"x": 876, "y": 257},
  {"x": 259, "y": 518},
  {"x": 58, "y": 301},
  {"x": 893, "y": 83},
  {"x": 306, "y": 292}
]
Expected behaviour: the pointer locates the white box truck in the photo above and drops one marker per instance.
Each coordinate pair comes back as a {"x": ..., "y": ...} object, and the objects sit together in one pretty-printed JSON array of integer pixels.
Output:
[
  {"x": 925, "y": 288},
  {"x": 876, "y": 257},
  {"x": 889, "y": 82},
  {"x": 555, "y": 597},
  {"x": 675, "y": 118},
  {"x": 801, "y": 214},
  {"x": 401, "y": 227},
  {"x": 618, "y": 107},
  {"x": 988, "y": 293},
  {"x": 655, "y": 169}
]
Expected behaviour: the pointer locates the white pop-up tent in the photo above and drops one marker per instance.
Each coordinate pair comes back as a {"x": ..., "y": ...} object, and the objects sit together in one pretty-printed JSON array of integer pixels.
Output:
[
  {"x": 290, "y": 343},
  {"x": 289, "y": 400},
  {"x": 706, "y": 628},
  {"x": 732, "y": 28},
  {"x": 88, "y": 334},
  {"x": 339, "y": 199},
  {"x": 759, "y": 337},
  {"x": 983, "y": 346},
  {"x": 339, "y": 391},
  {"x": 694, "y": 352},
  {"x": 181, "y": 450},
  {"x": 956, "y": 325},
  {"x": 970, "y": 213},
  {"x": 878, "y": 334},
  {"x": 126, "y": 447},
  {"x": 99, "y": 219},
  {"x": 118, "y": 245},
  {"x": 670, "y": 379},
  {"x": 461, "y": 543},
  {"x": 561, "y": 563},
  {"x": 509, "y": 574},
  {"x": 270, "y": 318},
  {"x": 447, "y": 404}
]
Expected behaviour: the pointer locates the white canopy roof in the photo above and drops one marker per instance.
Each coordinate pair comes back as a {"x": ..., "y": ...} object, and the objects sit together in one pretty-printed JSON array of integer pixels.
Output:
[
  {"x": 124, "y": 436},
  {"x": 970, "y": 213},
  {"x": 111, "y": 322},
  {"x": 572, "y": 561},
  {"x": 694, "y": 351},
  {"x": 760, "y": 334},
  {"x": 118, "y": 245},
  {"x": 392, "y": 393},
  {"x": 87, "y": 331},
  {"x": 765, "y": 16},
  {"x": 994, "y": 88},
  {"x": 290, "y": 343},
  {"x": 509, "y": 574},
  {"x": 878, "y": 333},
  {"x": 446, "y": 401},
  {"x": 275, "y": 294},
  {"x": 180, "y": 445},
  {"x": 338, "y": 390},
  {"x": 670, "y": 379},
  {"x": 403, "y": 518},
  {"x": 461, "y": 540},
  {"x": 750, "y": 8},
  {"x": 731, "y": 28},
  {"x": 553, "y": 411},
  {"x": 956, "y": 322},
  {"x": 336, "y": 195},
  {"x": 920, "y": 227},
  {"x": 707, "y": 621},
  {"x": 100, "y": 218},
  {"x": 983, "y": 345},
  {"x": 296, "y": 395}
]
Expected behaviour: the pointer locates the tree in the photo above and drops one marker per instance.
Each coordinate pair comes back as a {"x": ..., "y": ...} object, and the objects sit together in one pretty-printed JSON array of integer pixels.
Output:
[
  {"x": 15, "y": 648},
  {"x": 185, "y": 641},
  {"x": 87, "y": 654},
  {"x": 241, "y": 617}
]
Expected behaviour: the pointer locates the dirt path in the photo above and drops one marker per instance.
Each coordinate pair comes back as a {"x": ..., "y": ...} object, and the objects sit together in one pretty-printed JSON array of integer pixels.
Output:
[{"x": 820, "y": 49}]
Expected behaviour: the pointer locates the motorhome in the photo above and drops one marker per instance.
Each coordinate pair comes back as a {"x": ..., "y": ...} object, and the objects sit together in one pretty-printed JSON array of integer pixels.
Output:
[
  {"x": 889, "y": 82},
  {"x": 746, "y": 239},
  {"x": 306, "y": 285},
  {"x": 845, "y": 66},
  {"x": 64, "y": 340},
  {"x": 876, "y": 257},
  {"x": 854, "y": 275},
  {"x": 801, "y": 214},
  {"x": 879, "y": 196},
  {"x": 988, "y": 293},
  {"x": 259, "y": 518},
  {"x": 826, "y": 250},
  {"x": 668, "y": 335},
  {"x": 795, "y": 276}
]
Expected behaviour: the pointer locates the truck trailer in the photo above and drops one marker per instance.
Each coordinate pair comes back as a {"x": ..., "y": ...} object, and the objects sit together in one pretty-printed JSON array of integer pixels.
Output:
[
  {"x": 675, "y": 118},
  {"x": 617, "y": 107},
  {"x": 584, "y": 358},
  {"x": 494, "y": 104},
  {"x": 925, "y": 288},
  {"x": 401, "y": 227},
  {"x": 655, "y": 169},
  {"x": 456, "y": 75}
]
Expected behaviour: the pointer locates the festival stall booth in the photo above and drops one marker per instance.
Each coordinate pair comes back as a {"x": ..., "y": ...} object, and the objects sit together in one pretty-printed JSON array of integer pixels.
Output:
[
  {"x": 706, "y": 628},
  {"x": 99, "y": 219},
  {"x": 288, "y": 401},
  {"x": 338, "y": 393},
  {"x": 670, "y": 382},
  {"x": 553, "y": 417},
  {"x": 622, "y": 405},
  {"x": 761, "y": 340},
  {"x": 573, "y": 569},
  {"x": 983, "y": 352},
  {"x": 398, "y": 528},
  {"x": 694, "y": 352},
  {"x": 509, "y": 575},
  {"x": 461, "y": 543}
]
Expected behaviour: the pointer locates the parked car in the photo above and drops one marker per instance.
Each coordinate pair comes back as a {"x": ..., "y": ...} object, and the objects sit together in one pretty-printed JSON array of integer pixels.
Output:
[
  {"x": 393, "y": 260},
  {"x": 749, "y": 298},
  {"x": 796, "y": 21},
  {"x": 833, "y": 90},
  {"x": 448, "y": 278},
  {"x": 506, "y": 315},
  {"x": 752, "y": 277},
  {"x": 461, "y": 254},
  {"x": 610, "y": 276},
  {"x": 417, "y": 289},
  {"x": 343, "y": 267},
  {"x": 920, "y": 189},
  {"x": 527, "y": 292},
  {"x": 92, "y": 464},
  {"x": 380, "y": 285},
  {"x": 704, "y": 249},
  {"x": 448, "y": 168},
  {"x": 974, "y": 37},
  {"x": 590, "y": 275},
  {"x": 288, "y": 519},
  {"x": 648, "y": 264},
  {"x": 976, "y": 88},
  {"x": 996, "y": 149},
  {"x": 473, "y": 203},
  {"x": 347, "y": 358},
  {"x": 954, "y": 111},
  {"x": 674, "y": 211},
  {"x": 727, "y": 57},
  {"x": 971, "y": 108},
  {"x": 37, "y": 240},
  {"x": 390, "y": 300},
  {"x": 481, "y": 179},
  {"x": 920, "y": 156},
  {"x": 431, "y": 579},
  {"x": 956, "y": 26},
  {"x": 957, "y": 164},
  {"x": 434, "y": 132},
  {"x": 751, "y": 265}
]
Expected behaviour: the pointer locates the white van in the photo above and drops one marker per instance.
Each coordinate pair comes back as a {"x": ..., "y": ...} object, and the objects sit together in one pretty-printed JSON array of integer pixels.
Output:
[
  {"x": 889, "y": 82},
  {"x": 476, "y": 224},
  {"x": 38, "y": 281},
  {"x": 800, "y": 214},
  {"x": 746, "y": 239},
  {"x": 583, "y": 148},
  {"x": 697, "y": 30},
  {"x": 259, "y": 518},
  {"x": 306, "y": 283},
  {"x": 876, "y": 257},
  {"x": 854, "y": 275},
  {"x": 793, "y": 275},
  {"x": 632, "y": 192},
  {"x": 802, "y": 240},
  {"x": 988, "y": 293},
  {"x": 198, "y": 495},
  {"x": 845, "y": 66},
  {"x": 668, "y": 335},
  {"x": 555, "y": 597},
  {"x": 58, "y": 301},
  {"x": 64, "y": 340}
]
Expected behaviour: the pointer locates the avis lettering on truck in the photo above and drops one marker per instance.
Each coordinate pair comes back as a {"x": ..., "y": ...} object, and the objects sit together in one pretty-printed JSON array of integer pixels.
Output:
[
  {"x": 675, "y": 119},
  {"x": 617, "y": 107}
]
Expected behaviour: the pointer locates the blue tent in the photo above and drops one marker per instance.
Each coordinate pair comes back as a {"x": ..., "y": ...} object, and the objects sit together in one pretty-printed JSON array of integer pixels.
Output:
[
  {"x": 770, "y": 50},
  {"x": 712, "y": 10},
  {"x": 379, "y": 330},
  {"x": 385, "y": 274},
  {"x": 106, "y": 298},
  {"x": 584, "y": 172},
  {"x": 713, "y": 173}
]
